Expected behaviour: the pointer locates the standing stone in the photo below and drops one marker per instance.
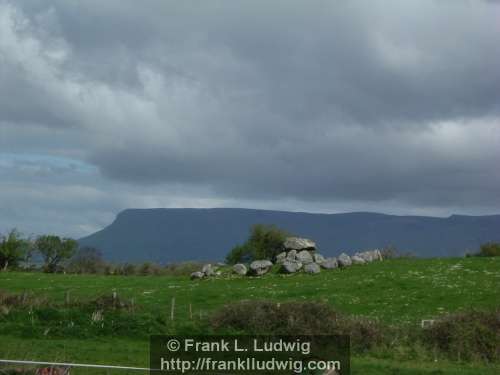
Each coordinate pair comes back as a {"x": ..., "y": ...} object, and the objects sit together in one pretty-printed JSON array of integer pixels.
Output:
[
  {"x": 291, "y": 266},
  {"x": 297, "y": 243},
  {"x": 378, "y": 254},
  {"x": 197, "y": 275},
  {"x": 312, "y": 268},
  {"x": 357, "y": 260},
  {"x": 344, "y": 260},
  {"x": 240, "y": 269},
  {"x": 260, "y": 267},
  {"x": 318, "y": 258},
  {"x": 304, "y": 257},
  {"x": 280, "y": 258},
  {"x": 330, "y": 263}
]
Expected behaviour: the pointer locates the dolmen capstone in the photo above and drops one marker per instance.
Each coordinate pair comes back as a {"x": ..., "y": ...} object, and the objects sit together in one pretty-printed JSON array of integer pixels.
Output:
[{"x": 297, "y": 243}]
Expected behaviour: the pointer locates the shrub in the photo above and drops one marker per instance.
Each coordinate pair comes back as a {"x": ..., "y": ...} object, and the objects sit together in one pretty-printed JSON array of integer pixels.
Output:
[
  {"x": 470, "y": 335},
  {"x": 127, "y": 269},
  {"x": 265, "y": 242},
  {"x": 490, "y": 249},
  {"x": 266, "y": 317},
  {"x": 365, "y": 334},
  {"x": 391, "y": 252},
  {"x": 149, "y": 268},
  {"x": 299, "y": 318},
  {"x": 10, "y": 301},
  {"x": 87, "y": 260}
]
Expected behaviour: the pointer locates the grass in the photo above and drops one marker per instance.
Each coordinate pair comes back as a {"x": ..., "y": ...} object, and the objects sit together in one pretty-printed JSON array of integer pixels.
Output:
[
  {"x": 394, "y": 291},
  {"x": 399, "y": 292}
]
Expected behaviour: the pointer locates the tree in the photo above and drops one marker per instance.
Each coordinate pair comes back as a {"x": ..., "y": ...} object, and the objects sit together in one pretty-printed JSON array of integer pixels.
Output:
[
  {"x": 54, "y": 250},
  {"x": 87, "y": 260},
  {"x": 489, "y": 249},
  {"x": 13, "y": 249},
  {"x": 265, "y": 242}
]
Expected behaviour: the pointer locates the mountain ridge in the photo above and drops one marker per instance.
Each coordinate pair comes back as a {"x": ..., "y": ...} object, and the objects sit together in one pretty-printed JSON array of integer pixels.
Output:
[{"x": 176, "y": 234}]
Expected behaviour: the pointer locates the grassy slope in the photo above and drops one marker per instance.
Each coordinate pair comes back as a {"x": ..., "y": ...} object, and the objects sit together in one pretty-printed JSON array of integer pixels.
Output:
[{"x": 396, "y": 291}]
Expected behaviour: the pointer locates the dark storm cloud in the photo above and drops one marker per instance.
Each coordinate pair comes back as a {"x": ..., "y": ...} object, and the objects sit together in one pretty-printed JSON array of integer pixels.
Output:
[{"x": 321, "y": 102}]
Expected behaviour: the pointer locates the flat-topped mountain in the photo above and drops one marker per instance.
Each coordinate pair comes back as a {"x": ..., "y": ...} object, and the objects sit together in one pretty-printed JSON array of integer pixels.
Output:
[{"x": 175, "y": 234}]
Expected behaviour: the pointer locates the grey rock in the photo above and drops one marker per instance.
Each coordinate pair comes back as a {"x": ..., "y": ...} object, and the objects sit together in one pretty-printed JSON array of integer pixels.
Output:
[
  {"x": 330, "y": 263},
  {"x": 378, "y": 254},
  {"x": 367, "y": 256},
  {"x": 357, "y": 260},
  {"x": 240, "y": 269},
  {"x": 304, "y": 257},
  {"x": 280, "y": 258},
  {"x": 260, "y": 267},
  {"x": 318, "y": 258},
  {"x": 344, "y": 260},
  {"x": 312, "y": 268},
  {"x": 297, "y": 243},
  {"x": 197, "y": 275},
  {"x": 208, "y": 270},
  {"x": 291, "y": 266},
  {"x": 291, "y": 255}
]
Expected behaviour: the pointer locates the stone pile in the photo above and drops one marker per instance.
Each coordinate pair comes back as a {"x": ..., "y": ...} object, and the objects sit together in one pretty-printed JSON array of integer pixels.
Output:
[
  {"x": 206, "y": 271},
  {"x": 298, "y": 254}
]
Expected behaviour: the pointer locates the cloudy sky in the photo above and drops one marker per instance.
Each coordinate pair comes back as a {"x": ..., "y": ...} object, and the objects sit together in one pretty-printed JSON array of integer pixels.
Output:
[{"x": 320, "y": 106}]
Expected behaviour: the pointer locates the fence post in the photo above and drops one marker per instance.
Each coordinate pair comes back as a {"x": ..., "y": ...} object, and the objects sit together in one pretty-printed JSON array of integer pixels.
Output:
[{"x": 172, "y": 308}]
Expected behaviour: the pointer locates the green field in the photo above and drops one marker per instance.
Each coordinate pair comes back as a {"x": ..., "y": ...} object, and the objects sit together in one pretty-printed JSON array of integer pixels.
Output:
[{"x": 396, "y": 292}]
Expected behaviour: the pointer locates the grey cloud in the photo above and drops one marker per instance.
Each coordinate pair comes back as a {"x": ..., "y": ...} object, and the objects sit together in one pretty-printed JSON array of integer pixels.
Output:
[{"x": 332, "y": 104}]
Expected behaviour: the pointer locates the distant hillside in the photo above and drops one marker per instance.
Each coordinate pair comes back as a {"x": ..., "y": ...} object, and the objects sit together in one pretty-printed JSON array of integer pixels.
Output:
[{"x": 165, "y": 235}]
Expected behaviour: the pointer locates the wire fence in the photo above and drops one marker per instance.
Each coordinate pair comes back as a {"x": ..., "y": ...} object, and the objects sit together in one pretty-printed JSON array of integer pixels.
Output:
[{"x": 65, "y": 368}]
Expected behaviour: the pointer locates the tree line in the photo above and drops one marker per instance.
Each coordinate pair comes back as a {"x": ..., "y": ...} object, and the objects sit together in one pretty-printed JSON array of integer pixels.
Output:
[
  {"x": 54, "y": 250},
  {"x": 64, "y": 255}
]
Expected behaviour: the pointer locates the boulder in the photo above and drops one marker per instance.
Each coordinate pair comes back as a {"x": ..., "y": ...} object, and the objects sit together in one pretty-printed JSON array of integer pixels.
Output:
[
  {"x": 318, "y": 258},
  {"x": 208, "y": 270},
  {"x": 357, "y": 260},
  {"x": 304, "y": 257},
  {"x": 291, "y": 266},
  {"x": 297, "y": 243},
  {"x": 197, "y": 275},
  {"x": 312, "y": 268},
  {"x": 240, "y": 269},
  {"x": 329, "y": 263},
  {"x": 260, "y": 267},
  {"x": 344, "y": 260},
  {"x": 280, "y": 258},
  {"x": 291, "y": 255},
  {"x": 367, "y": 256}
]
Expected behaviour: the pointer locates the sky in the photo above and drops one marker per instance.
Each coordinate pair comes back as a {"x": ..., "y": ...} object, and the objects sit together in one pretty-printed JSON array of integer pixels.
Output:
[{"x": 316, "y": 106}]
